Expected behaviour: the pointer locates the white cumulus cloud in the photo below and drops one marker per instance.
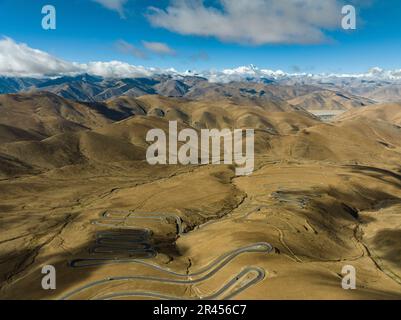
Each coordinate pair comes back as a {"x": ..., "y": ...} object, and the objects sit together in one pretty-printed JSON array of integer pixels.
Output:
[
  {"x": 117, "y": 69},
  {"x": 18, "y": 59},
  {"x": 253, "y": 22}
]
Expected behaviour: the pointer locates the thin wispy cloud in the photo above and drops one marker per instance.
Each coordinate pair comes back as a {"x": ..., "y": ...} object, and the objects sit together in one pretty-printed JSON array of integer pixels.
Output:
[
  {"x": 127, "y": 48},
  {"x": 159, "y": 48},
  {"x": 200, "y": 56},
  {"x": 115, "y": 5},
  {"x": 254, "y": 22}
]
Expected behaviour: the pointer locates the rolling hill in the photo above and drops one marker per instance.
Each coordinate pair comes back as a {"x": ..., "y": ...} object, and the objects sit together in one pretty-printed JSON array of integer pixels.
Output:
[
  {"x": 329, "y": 100},
  {"x": 389, "y": 112},
  {"x": 45, "y": 114}
]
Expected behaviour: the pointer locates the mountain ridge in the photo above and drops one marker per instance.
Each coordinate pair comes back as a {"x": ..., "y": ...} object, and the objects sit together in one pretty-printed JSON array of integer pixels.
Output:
[{"x": 90, "y": 88}]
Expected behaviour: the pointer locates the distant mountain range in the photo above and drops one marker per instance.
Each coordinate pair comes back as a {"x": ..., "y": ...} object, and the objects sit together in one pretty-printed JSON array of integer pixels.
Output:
[
  {"x": 86, "y": 87},
  {"x": 248, "y": 85}
]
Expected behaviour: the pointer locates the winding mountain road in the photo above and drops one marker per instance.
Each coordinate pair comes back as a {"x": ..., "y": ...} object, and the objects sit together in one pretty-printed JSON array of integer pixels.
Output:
[{"x": 134, "y": 240}]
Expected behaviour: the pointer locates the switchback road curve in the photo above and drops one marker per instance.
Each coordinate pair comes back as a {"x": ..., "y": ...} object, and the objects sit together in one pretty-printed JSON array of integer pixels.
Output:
[
  {"x": 187, "y": 279},
  {"x": 129, "y": 239}
]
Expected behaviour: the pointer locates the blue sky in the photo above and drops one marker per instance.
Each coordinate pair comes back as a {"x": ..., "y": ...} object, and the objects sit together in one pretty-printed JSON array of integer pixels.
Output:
[{"x": 88, "y": 31}]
